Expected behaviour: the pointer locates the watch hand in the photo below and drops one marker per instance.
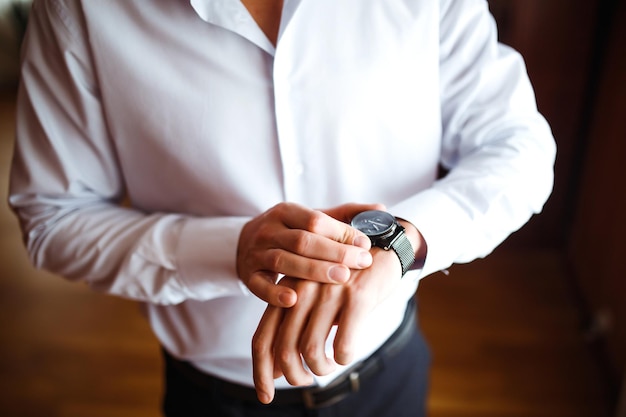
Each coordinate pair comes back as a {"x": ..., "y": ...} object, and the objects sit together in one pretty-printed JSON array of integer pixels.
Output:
[{"x": 375, "y": 223}]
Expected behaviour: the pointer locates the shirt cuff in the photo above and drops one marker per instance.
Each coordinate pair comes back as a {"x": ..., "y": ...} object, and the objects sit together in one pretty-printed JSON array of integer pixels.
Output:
[
  {"x": 442, "y": 223},
  {"x": 206, "y": 257}
]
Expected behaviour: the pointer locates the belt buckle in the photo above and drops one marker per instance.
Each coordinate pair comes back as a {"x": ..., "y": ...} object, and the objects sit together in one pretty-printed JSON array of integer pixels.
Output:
[{"x": 309, "y": 399}]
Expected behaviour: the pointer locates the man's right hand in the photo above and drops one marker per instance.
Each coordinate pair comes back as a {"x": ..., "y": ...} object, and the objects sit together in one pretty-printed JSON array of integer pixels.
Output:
[{"x": 299, "y": 242}]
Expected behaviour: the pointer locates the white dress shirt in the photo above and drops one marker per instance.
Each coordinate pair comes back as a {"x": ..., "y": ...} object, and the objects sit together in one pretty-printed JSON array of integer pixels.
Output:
[{"x": 186, "y": 111}]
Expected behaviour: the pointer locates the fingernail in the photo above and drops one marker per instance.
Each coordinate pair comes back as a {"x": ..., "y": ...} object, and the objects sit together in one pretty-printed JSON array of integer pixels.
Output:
[
  {"x": 363, "y": 242},
  {"x": 285, "y": 299},
  {"x": 264, "y": 398},
  {"x": 364, "y": 260},
  {"x": 339, "y": 274}
]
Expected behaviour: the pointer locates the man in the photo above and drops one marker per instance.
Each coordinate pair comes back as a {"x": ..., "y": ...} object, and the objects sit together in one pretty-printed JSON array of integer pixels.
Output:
[{"x": 279, "y": 165}]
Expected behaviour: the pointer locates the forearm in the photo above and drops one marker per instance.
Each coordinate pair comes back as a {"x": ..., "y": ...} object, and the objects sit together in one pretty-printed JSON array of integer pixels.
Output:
[
  {"x": 158, "y": 258},
  {"x": 497, "y": 147}
]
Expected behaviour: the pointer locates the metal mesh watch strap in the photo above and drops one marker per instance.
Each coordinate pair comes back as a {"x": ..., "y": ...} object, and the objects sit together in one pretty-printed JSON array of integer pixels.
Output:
[{"x": 402, "y": 247}]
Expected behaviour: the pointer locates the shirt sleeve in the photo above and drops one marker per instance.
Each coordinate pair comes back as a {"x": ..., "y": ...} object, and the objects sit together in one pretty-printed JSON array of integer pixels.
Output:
[
  {"x": 66, "y": 186},
  {"x": 497, "y": 147}
]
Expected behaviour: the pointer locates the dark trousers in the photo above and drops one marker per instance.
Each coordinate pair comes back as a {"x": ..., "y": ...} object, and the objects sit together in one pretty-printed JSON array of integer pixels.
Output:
[{"x": 399, "y": 389}]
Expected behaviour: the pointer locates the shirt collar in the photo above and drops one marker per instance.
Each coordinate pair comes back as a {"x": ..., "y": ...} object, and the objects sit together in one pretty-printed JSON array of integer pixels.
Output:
[{"x": 232, "y": 15}]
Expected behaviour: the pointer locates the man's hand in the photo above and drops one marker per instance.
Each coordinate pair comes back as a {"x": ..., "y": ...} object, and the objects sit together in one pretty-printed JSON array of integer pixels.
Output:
[
  {"x": 286, "y": 337},
  {"x": 295, "y": 241}
]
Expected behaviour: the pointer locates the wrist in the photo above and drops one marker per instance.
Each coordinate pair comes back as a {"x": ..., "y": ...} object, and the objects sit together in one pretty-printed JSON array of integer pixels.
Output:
[
  {"x": 386, "y": 232},
  {"x": 417, "y": 242}
]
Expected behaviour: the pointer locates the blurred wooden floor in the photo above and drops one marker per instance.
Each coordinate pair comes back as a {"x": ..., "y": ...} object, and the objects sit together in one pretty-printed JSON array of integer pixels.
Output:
[{"x": 505, "y": 334}]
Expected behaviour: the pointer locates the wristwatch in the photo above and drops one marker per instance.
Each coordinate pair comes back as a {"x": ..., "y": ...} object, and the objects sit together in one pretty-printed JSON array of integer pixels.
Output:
[{"x": 385, "y": 232}]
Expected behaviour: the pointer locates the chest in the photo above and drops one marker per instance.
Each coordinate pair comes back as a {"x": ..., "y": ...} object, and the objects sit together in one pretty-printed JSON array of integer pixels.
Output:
[
  {"x": 266, "y": 14},
  {"x": 205, "y": 101}
]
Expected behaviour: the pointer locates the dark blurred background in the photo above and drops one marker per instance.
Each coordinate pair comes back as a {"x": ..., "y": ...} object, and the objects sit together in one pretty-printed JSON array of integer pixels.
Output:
[{"x": 576, "y": 57}]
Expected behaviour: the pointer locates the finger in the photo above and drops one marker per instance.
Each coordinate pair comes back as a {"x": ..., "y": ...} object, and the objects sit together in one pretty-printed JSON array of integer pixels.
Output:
[
  {"x": 349, "y": 327},
  {"x": 289, "y": 361},
  {"x": 286, "y": 347},
  {"x": 321, "y": 321},
  {"x": 363, "y": 293},
  {"x": 320, "y": 223},
  {"x": 263, "y": 354},
  {"x": 305, "y": 255},
  {"x": 320, "y": 247},
  {"x": 302, "y": 267},
  {"x": 263, "y": 286}
]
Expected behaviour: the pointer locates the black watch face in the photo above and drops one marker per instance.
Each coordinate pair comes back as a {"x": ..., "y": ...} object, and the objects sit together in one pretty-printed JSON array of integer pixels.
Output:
[{"x": 374, "y": 222}]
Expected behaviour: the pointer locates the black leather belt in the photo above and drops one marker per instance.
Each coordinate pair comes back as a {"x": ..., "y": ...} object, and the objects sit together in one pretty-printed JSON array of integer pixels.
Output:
[{"x": 311, "y": 397}]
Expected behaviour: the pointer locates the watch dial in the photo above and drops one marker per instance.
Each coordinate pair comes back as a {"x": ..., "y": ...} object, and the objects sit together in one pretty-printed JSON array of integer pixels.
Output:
[{"x": 373, "y": 222}]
